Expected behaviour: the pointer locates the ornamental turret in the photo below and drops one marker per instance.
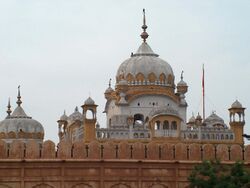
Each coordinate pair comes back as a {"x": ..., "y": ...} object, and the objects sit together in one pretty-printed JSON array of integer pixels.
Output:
[
  {"x": 237, "y": 121},
  {"x": 89, "y": 119}
]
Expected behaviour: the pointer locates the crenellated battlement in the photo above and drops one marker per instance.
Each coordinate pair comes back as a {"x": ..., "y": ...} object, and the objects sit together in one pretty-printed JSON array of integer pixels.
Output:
[{"x": 123, "y": 150}]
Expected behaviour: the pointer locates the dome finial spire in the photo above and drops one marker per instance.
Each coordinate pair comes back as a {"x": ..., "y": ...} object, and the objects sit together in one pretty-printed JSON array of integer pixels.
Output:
[
  {"x": 9, "y": 108},
  {"x": 110, "y": 82},
  {"x": 144, "y": 34},
  {"x": 182, "y": 75},
  {"x": 19, "y": 102}
]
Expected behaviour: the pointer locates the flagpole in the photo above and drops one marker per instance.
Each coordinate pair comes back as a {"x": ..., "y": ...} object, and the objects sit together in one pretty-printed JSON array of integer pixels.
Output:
[{"x": 203, "y": 92}]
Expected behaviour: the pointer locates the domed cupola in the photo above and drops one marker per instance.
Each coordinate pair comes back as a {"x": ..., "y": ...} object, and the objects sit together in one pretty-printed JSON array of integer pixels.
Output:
[
  {"x": 192, "y": 119},
  {"x": 214, "y": 121},
  {"x": 64, "y": 117},
  {"x": 236, "y": 104},
  {"x": 182, "y": 86},
  {"x": 75, "y": 116},
  {"x": 19, "y": 126},
  {"x": 145, "y": 67},
  {"x": 89, "y": 101},
  {"x": 108, "y": 91}
]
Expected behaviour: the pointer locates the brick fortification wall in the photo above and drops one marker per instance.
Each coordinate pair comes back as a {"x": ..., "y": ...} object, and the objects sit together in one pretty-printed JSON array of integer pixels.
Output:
[{"x": 107, "y": 165}]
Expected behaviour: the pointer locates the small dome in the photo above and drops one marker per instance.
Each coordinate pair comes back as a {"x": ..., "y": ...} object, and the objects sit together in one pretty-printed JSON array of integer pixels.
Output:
[
  {"x": 236, "y": 104},
  {"x": 64, "y": 117},
  {"x": 192, "y": 119},
  {"x": 109, "y": 90},
  {"x": 144, "y": 62},
  {"x": 182, "y": 83},
  {"x": 213, "y": 120},
  {"x": 198, "y": 117},
  {"x": 76, "y": 115},
  {"x": 89, "y": 101}
]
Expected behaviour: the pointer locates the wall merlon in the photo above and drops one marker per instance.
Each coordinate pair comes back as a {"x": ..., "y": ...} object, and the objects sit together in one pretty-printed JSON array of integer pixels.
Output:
[{"x": 123, "y": 150}]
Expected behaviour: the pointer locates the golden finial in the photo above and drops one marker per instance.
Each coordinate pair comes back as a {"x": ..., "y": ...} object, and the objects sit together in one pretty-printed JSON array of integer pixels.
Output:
[
  {"x": 144, "y": 34},
  {"x": 19, "y": 102}
]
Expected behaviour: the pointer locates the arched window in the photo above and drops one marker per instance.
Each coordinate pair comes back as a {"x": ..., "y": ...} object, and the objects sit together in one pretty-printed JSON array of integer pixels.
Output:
[
  {"x": 170, "y": 79},
  {"x": 135, "y": 135},
  {"x": 157, "y": 125},
  {"x": 212, "y": 136},
  {"x": 140, "y": 77},
  {"x": 162, "y": 78},
  {"x": 142, "y": 135},
  {"x": 89, "y": 114},
  {"x": 231, "y": 137},
  {"x": 165, "y": 125},
  {"x": 217, "y": 137},
  {"x": 130, "y": 78},
  {"x": 151, "y": 77},
  {"x": 203, "y": 136},
  {"x": 222, "y": 137},
  {"x": 195, "y": 136},
  {"x": 138, "y": 119},
  {"x": 174, "y": 125},
  {"x": 110, "y": 122},
  {"x": 208, "y": 136},
  {"x": 226, "y": 136}
]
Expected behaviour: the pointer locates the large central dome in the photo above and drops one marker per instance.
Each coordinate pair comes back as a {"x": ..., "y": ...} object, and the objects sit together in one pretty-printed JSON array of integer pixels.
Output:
[{"x": 146, "y": 67}]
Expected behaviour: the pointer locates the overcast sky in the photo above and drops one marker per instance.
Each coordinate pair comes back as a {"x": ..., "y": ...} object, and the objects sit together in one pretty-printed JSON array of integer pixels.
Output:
[{"x": 62, "y": 51}]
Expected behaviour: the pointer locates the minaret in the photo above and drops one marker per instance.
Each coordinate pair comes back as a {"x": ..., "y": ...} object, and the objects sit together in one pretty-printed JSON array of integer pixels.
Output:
[
  {"x": 108, "y": 91},
  {"x": 237, "y": 121},
  {"x": 89, "y": 120},
  {"x": 182, "y": 87},
  {"x": 62, "y": 125}
]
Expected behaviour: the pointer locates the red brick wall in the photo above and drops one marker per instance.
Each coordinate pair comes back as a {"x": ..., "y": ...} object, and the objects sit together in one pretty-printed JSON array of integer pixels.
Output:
[{"x": 108, "y": 165}]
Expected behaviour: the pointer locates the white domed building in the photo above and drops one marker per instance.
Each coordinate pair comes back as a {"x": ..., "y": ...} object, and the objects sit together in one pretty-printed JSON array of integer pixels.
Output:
[
  {"x": 146, "y": 104},
  {"x": 19, "y": 126}
]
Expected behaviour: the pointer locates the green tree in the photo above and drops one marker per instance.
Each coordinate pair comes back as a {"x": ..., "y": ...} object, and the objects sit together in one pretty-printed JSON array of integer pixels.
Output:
[{"x": 213, "y": 174}]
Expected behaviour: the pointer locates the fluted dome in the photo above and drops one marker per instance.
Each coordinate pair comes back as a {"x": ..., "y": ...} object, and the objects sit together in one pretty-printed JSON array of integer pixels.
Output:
[
  {"x": 145, "y": 63},
  {"x": 20, "y": 126},
  {"x": 182, "y": 83},
  {"x": 192, "y": 119},
  {"x": 236, "y": 104},
  {"x": 214, "y": 120},
  {"x": 64, "y": 117},
  {"x": 109, "y": 90},
  {"x": 16, "y": 125},
  {"x": 76, "y": 115},
  {"x": 89, "y": 101}
]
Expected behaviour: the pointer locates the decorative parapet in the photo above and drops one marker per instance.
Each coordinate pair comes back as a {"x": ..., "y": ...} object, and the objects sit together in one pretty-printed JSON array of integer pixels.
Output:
[{"x": 124, "y": 150}]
